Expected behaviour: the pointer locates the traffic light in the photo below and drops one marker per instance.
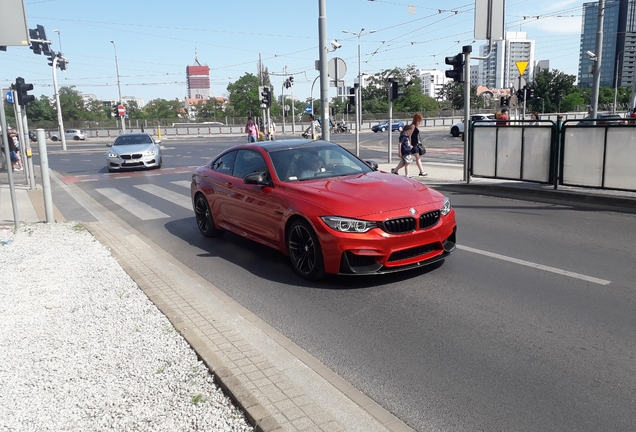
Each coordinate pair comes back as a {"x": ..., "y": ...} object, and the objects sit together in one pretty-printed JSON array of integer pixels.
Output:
[
  {"x": 50, "y": 58},
  {"x": 520, "y": 94},
  {"x": 291, "y": 80},
  {"x": 352, "y": 96},
  {"x": 35, "y": 46},
  {"x": 530, "y": 93},
  {"x": 116, "y": 111},
  {"x": 266, "y": 96},
  {"x": 22, "y": 89},
  {"x": 457, "y": 74},
  {"x": 395, "y": 89}
]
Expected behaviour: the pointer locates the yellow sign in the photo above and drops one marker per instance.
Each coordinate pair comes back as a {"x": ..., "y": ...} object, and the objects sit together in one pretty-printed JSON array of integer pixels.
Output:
[{"x": 521, "y": 66}]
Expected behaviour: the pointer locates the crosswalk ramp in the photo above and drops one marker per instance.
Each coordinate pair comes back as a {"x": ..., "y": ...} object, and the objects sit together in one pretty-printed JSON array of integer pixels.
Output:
[{"x": 144, "y": 211}]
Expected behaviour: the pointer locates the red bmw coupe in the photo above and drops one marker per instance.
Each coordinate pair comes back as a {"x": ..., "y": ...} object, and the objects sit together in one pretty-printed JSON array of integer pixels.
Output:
[{"x": 329, "y": 211}]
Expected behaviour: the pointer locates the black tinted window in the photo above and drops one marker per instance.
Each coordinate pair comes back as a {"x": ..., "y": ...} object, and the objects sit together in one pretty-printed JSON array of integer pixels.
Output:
[{"x": 248, "y": 162}]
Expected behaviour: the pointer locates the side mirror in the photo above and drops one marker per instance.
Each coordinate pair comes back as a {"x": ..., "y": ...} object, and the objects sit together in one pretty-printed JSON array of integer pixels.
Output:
[
  {"x": 257, "y": 178},
  {"x": 157, "y": 141},
  {"x": 372, "y": 164},
  {"x": 109, "y": 145}
]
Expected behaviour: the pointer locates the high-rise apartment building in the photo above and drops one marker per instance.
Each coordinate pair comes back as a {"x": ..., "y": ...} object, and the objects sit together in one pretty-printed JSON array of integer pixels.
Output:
[
  {"x": 500, "y": 69},
  {"x": 432, "y": 82},
  {"x": 618, "y": 56},
  {"x": 198, "y": 78}
]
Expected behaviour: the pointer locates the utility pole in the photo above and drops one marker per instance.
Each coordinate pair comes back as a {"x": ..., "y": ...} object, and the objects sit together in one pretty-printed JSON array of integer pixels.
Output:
[
  {"x": 599, "y": 55},
  {"x": 324, "y": 68}
]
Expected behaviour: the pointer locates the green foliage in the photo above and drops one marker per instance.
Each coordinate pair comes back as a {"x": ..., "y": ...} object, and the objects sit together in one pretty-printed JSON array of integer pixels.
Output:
[
  {"x": 163, "y": 109},
  {"x": 452, "y": 95},
  {"x": 243, "y": 96},
  {"x": 550, "y": 87}
]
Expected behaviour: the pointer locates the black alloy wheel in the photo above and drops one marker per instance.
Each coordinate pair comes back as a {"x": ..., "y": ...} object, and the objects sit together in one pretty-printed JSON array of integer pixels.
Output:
[
  {"x": 203, "y": 215},
  {"x": 304, "y": 251}
]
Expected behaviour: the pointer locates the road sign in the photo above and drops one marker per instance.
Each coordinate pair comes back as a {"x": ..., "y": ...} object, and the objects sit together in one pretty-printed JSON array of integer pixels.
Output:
[
  {"x": 337, "y": 68},
  {"x": 521, "y": 66},
  {"x": 10, "y": 96},
  {"x": 308, "y": 109},
  {"x": 121, "y": 110}
]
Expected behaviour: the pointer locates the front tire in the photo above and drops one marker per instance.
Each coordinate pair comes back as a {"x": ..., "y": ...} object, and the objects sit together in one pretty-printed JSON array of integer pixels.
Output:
[
  {"x": 204, "y": 218},
  {"x": 455, "y": 131},
  {"x": 383, "y": 129},
  {"x": 54, "y": 138},
  {"x": 304, "y": 251}
]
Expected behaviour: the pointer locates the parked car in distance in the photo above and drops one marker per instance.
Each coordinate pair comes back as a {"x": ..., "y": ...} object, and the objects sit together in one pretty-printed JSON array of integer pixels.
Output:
[
  {"x": 318, "y": 204},
  {"x": 382, "y": 127},
  {"x": 133, "y": 150},
  {"x": 603, "y": 119},
  {"x": 458, "y": 128},
  {"x": 70, "y": 134},
  {"x": 33, "y": 136}
]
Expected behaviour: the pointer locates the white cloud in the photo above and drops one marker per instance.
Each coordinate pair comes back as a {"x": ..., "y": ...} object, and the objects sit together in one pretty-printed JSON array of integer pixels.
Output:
[{"x": 558, "y": 25}]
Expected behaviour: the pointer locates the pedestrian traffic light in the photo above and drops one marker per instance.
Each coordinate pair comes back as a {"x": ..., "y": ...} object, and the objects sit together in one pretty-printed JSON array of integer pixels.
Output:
[
  {"x": 266, "y": 96},
  {"x": 291, "y": 81},
  {"x": 530, "y": 94},
  {"x": 457, "y": 74},
  {"x": 520, "y": 94},
  {"x": 395, "y": 89},
  {"x": 22, "y": 89}
]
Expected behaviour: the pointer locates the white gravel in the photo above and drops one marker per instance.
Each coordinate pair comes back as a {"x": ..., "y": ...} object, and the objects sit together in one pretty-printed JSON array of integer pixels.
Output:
[{"x": 82, "y": 347}]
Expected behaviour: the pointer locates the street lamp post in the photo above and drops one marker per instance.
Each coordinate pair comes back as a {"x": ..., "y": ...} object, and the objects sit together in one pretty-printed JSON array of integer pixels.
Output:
[
  {"x": 123, "y": 118},
  {"x": 358, "y": 34}
]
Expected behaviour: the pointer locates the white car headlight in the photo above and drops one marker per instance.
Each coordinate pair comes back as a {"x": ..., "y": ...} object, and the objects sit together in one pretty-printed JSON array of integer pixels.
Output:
[
  {"x": 149, "y": 152},
  {"x": 113, "y": 155},
  {"x": 446, "y": 208},
  {"x": 348, "y": 225}
]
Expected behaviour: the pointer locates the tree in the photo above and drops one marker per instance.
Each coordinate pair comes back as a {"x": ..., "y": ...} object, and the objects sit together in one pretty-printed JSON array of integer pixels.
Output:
[
  {"x": 40, "y": 110},
  {"x": 163, "y": 109},
  {"x": 550, "y": 87},
  {"x": 452, "y": 94},
  {"x": 243, "y": 96},
  {"x": 72, "y": 104}
]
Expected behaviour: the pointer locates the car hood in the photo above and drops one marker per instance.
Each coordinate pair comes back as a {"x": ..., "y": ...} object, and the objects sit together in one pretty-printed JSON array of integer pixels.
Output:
[
  {"x": 131, "y": 148},
  {"x": 363, "y": 195}
]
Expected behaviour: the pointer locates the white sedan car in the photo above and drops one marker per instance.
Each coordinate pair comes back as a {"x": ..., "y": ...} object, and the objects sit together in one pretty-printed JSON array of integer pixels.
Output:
[
  {"x": 70, "y": 134},
  {"x": 458, "y": 128},
  {"x": 133, "y": 150}
]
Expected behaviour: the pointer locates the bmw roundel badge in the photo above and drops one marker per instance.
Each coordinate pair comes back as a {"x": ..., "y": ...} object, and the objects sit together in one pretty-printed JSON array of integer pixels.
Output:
[{"x": 412, "y": 210}]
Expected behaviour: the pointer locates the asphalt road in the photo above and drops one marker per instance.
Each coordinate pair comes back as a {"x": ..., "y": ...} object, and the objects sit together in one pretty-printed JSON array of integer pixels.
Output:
[{"x": 527, "y": 327}]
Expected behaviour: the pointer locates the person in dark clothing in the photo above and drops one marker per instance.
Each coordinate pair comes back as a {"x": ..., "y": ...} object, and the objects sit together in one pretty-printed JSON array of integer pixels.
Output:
[
  {"x": 417, "y": 148},
  {"x": 405, "y": 152}
]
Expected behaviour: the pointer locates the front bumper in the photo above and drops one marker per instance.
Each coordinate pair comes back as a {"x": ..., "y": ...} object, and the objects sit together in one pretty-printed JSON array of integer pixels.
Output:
[
  {"x": 133, "y": 163},
  {"x": 378, "y": 252}
]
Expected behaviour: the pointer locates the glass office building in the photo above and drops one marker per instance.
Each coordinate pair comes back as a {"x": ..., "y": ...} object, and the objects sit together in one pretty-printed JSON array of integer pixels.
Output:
[{"x": 618, "y": 57}]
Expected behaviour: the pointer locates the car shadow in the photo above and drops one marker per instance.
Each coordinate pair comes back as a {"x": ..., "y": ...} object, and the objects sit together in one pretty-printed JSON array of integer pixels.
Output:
[{"x": 269, "y": 264}]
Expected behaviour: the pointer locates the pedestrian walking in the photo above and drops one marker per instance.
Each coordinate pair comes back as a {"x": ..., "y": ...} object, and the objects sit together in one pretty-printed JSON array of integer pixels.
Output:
[
  {"x": 251, "y": 130},
  {"x": 417, "y": 148},
  {"x": 504, "y": 119},
  {"x": 404, "y": 151}
]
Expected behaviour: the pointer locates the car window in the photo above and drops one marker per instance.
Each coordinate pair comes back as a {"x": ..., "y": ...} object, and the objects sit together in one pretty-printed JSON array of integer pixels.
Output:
[
  {"x": 248, "y": 162},
  {"x": 225, "y": 163},
  {"x": 305, "y": 163}
]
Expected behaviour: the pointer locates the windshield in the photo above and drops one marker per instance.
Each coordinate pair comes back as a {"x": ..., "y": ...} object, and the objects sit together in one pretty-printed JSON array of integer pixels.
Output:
[
  {"x": 133, "y": 139},
  {"x": 306, "y": 163}
]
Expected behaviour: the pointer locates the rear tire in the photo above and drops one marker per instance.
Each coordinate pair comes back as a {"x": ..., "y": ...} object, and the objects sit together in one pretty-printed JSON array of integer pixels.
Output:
[
  {"x": 400, "y": 129},
  {"x": 304, "y": 251},
  {"x": 204, "y": 218}
]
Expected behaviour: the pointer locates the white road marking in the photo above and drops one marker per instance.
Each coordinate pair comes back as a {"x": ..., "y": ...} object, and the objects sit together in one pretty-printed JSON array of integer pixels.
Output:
[
  {"x": 174, "y": 197},
  {"x": 141, "y": 210},
  {"x": 536, "y": 266},
  {"x": 184, "y": 183}
]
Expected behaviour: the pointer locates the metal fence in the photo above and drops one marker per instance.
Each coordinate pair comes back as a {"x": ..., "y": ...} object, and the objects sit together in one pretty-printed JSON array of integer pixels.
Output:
[{"x": 584, "y": 153}]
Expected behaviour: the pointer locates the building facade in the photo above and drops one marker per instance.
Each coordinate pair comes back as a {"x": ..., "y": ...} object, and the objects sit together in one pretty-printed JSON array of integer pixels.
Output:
[
  {"x": 198, "y": 78},
  {"x": 500, "y": 69},
  {"x": 432, "y": 82},
  {"x": 618, "y": 57}
]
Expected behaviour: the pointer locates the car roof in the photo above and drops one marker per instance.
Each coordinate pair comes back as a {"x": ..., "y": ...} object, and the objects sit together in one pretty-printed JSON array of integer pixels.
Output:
[
  {"x": 290, "y": 143},
  {"x": 134, "y": 134}
]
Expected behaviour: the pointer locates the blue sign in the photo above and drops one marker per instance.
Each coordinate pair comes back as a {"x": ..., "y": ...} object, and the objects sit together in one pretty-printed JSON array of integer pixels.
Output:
[
  {"x": 10, "y": 97},
  {"x": 308, "y": 109}
]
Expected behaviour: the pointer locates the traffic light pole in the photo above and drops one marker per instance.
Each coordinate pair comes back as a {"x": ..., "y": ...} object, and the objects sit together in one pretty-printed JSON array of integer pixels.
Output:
[
  {"x": 60, "y": 122},
  {"x": 390, "y": 128},
  {"x": 466, "y": 50},
  {"x": 7, "y": 161}
]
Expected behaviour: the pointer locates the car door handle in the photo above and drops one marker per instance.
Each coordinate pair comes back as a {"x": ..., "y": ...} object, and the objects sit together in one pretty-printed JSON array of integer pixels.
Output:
[{"x": 229, "y": 185}]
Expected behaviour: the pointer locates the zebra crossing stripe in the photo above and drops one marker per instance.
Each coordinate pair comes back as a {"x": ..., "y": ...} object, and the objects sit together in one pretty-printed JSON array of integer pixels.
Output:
[
  {"x": 184, "y": 183},
  {"x": 174, "y": 197},
  {"x": 141, "y": 210}
]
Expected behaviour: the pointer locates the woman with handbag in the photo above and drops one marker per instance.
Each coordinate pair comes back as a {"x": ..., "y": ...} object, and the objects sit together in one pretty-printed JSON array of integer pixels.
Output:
[{"x": 417, "y": 148}]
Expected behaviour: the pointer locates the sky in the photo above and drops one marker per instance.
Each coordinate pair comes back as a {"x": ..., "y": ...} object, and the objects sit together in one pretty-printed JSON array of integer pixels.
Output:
[{"x": 155, "y": 40}]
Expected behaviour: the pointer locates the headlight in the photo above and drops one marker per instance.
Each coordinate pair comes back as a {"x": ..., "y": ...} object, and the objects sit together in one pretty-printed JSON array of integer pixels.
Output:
[
  {"x": 149, "y": 152},
  {"x": 113, "y": 155},
  {"x": 348, "y": 225},
  {"x": 446, "y": 208}
]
